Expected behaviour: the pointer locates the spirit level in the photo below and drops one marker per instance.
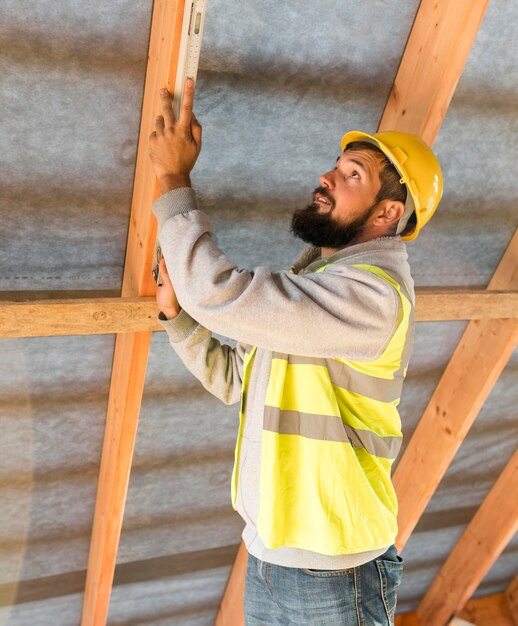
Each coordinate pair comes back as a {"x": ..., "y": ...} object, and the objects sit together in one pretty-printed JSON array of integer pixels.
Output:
[{"x": 187, "y": 67}]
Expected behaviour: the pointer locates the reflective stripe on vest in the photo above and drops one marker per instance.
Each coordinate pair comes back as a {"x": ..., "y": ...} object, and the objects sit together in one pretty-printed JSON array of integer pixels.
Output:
[{"x": 331, "y": 432}]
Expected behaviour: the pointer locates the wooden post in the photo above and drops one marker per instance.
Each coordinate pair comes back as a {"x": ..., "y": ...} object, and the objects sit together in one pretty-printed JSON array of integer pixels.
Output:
[
  {"x": 491, "y": 610},
  {"x": 131, "y": 349},
  {"x": 511, "y": 597},
  {"x": 486, "y": 536}
]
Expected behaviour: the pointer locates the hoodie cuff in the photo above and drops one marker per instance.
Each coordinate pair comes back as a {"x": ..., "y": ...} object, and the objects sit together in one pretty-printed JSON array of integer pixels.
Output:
[
  {"x": 178, "y": 328},
  {"x": 174, "y": 202}
]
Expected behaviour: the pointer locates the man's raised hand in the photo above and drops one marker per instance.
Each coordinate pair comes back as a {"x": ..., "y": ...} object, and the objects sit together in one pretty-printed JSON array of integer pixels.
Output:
[{"x": 174, "y": 145}]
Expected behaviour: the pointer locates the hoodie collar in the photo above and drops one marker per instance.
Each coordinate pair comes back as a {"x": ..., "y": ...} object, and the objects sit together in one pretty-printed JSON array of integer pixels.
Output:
[{"x": 309, "y": 259}]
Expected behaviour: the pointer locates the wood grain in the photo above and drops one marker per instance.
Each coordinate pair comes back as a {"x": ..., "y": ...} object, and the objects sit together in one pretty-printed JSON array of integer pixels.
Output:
[
  {"x": 231, "y": 610},
  {"x": 436, "y": 52},
  {"x": 470, "y": 375},
  {"x": 491, "y": 610},
  {"x": 485, "y": 538},
  {"x": 511, "y": 599},
  {"x": 131, "y": 348},
  {"x": 96, "y": 315}
]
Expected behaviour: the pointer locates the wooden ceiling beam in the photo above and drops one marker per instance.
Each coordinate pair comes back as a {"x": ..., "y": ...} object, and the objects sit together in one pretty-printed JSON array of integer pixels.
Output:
[
  {"x": 95, "y": 315},
  {"x": 511, "y": 598},
  {"x": 438, "y": 46},
  {"x": 466, "y": 382},
  {"x": 436, "y": 51},
  {"x": 131, "y": 348},
  {"x": 484, "y": 539}
]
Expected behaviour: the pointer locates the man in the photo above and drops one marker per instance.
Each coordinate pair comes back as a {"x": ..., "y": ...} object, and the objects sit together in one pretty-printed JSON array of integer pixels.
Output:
[{"x": 318, "y": 368}]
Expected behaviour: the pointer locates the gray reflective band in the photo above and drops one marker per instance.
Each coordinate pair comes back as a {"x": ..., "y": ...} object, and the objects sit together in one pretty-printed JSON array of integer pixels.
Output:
[
  {"x": 346, "y": 377},
  {"x": 329, "y": 428}
]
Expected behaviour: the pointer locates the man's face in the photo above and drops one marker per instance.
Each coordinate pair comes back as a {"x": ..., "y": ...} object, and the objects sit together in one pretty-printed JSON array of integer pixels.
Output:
[{"x": 343, "y": 203}]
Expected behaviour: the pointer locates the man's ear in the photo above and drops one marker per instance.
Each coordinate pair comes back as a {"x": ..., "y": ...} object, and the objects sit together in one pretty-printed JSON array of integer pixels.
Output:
[{"x": 390, "y": 212}]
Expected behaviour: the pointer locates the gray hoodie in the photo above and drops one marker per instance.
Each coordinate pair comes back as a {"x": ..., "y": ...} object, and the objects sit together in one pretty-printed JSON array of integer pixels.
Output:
[{"x": 344, "y": 312}]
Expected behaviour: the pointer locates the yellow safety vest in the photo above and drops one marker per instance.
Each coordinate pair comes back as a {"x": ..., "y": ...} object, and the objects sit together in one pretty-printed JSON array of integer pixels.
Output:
[{"x": 331, "y": 432}]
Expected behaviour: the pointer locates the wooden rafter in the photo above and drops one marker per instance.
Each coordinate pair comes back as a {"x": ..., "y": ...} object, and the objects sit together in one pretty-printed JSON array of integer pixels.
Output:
[
  {"x": 450, "y": 413},
  {"x": 486, "y": 536},
  {"x": 492, "y": 610},
  {"x": 131, "y": 349},
  {"x": 231, "y": 610},
  {"x": 407, "y": 619},
  {"x": 511, "y": 598},
  {"x": 434, "y": 57},
  {"x": 101, "y": 315},
  {"x": 435, "y": 54}
]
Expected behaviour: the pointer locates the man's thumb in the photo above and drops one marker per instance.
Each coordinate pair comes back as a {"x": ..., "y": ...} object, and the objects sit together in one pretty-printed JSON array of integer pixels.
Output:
[{"x": 163, "y": 271}]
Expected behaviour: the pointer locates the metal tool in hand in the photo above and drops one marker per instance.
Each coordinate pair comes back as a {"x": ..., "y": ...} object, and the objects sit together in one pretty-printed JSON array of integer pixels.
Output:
[{"x": 188, "y": 61}]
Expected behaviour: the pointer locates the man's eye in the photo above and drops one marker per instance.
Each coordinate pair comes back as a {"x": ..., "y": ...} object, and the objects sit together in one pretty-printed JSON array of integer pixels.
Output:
[{"x": 355, "y": 174}]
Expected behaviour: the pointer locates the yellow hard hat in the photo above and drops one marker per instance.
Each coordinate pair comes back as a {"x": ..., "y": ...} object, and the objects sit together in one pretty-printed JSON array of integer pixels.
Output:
[{"x": 419, "y": 169}]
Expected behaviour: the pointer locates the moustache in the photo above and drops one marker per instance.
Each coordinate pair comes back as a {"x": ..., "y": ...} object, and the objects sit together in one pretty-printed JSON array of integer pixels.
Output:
[{"x": 324, "y": 192}]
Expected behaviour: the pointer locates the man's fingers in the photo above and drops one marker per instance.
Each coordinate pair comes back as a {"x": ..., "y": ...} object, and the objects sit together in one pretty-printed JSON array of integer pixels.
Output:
[
  {"x": 186, "y": 111},
  {"x": 163, "y": 271},
  {"x": 159, "y": 124},
  {"x": 196, "y": 130},
  {"x": 167, "y": 107}
]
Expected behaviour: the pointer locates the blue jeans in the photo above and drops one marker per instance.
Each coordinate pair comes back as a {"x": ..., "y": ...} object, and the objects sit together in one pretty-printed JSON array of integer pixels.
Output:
[{"x": 358, "y": 596}]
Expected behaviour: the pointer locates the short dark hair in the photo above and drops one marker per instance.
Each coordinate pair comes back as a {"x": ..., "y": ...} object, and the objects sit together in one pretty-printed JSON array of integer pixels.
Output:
[{"x": 391, "y": 188}]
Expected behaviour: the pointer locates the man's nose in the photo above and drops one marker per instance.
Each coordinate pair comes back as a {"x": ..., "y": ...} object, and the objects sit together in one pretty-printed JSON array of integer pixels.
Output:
[{"x": 328, "y": 180}]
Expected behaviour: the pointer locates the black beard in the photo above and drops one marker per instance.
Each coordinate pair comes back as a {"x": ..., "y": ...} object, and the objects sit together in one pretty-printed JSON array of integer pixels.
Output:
[{"x": 321, "y": 230}]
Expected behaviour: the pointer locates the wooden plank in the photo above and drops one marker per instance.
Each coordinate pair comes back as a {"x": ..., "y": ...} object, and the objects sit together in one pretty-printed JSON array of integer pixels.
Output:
[
  {"x": 434, "y": 305},
  {"x": 454, "y": 405},
  {"x": 435, "y": 55},
  {"x": 485, "y": 538},
  {"x": 131, "y": 349},
  {"x": 78, "y": 317},
  {"x": 84, "y": 315},
  {"x": 407, "y": 619},
  {"x": 130, "y": 360},
  {"x": 231, "y": 607},
  {"x": 433, "y": 60},
  {"x": 511, "y": 599},
  {"x": 490, "y": 610}
]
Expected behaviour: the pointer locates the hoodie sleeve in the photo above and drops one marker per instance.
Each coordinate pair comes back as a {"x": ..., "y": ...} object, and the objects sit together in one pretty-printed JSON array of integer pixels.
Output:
[
  {"x": 218, "y": 367},
  {"x": 344, "y": 312}
]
